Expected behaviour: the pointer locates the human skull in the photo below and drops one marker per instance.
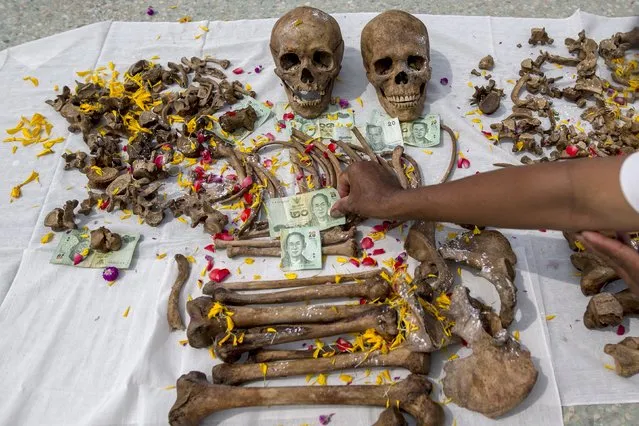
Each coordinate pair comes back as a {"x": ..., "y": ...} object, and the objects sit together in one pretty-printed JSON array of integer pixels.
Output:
[
  {"x": 396, "y": 55},
  {"x": 307, "y": 48}
]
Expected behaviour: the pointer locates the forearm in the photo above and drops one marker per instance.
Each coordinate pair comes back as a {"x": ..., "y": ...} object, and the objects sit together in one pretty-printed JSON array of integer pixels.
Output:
[{"x": 574, "y": 195}]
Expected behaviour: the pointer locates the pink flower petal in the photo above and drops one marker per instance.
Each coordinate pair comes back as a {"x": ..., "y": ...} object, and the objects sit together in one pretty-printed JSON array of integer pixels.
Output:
[
  {"x": 77, "y": 258},
  {"x": 367, "y": 243},
  {"x": 247, "y": 181},
  {"x": 463, "y": 163},
  {"x": 238, "y": 71},
  {"x": 621, "y": 330}
]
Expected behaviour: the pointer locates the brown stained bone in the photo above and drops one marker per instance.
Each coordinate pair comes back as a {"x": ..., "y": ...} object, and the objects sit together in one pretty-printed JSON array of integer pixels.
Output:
[
  {"x": 286, "y": 283},
  {"x": 329, "y": 236},
  {"x": 489, "y": 253},
  {"x": 244, "y": 118},
  {"x": 382, "y": 319},
  {"x": 453, "y": 153},
  {"x": 202, "y": 330},
  {"x": 198, "y": 399},
  {"x": 488, "y": 98},
  {"x": 372, "y": 289},
  {"x": 346, "y": 248},
  {"x": 626, "y": 356},
  {"x": 270, "y": 355},
  {"x": 62, "y": 219},
  {"x": 595, "y": 273},
  {"x": 102, "y": 178},
  {"x": 224, "y": 63},
  {"x": 173, "y": 312},
  {"x": 398, "y": 167},
  {"x": 391, "y": 417},
  {"x": 433, "y": 270},
  {"x": 74, "y": 160},
  {"x": 539, "y": 36},
  {"x": 415, "y": 179},
  {"x": 486, "y": 63},
  {"x": 104, "y": 240},
  {"x": 493, "y": 380},
  {"x": 606, "y": 309},
  {"x": 236, "y": 374}
]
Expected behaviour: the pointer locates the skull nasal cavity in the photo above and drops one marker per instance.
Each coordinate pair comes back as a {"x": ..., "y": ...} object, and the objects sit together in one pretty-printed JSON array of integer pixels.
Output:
[
  {"x": 401, "y": 78},
  {"x": 307, "y": 77}
]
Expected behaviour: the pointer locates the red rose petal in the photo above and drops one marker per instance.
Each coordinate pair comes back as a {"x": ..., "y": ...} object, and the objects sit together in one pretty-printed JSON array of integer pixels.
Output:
[
  {"x": 309, "y": 148},
  {"x": 369, "y": 261},
  {"x": 332, "y": 147},
  {"x": 210, "y": 247},
  {"x": 245, "y": 214},
  {"x": 218, "y": 275},
  {"x": 354, "y": 262},
  {"x": 224, "y": 236},
  {"x": 343, "y": 345},
  {"x": 621, "y": 330},
  {"x": 248, "y": 198},
  {"x": 367, "y": 243},
  {"x": 238, "y": 71},
  {"x": 247, "y": 181},
  {"x": 377, "y": 252},
  {"x": 288, "y": 116},
  {"x": 362, "y": 301},
  {"x": 463, "y": 163},
  {"x": 572, "y": 150}
]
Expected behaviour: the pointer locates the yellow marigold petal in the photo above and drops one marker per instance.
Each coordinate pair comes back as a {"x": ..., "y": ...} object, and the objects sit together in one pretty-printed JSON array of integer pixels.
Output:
[
  {"x": 609, "y": 367},
  {"x": 126, "y": 312},
  {"x": 290, "y": 275},
  {"x": 476, "y": 231},
  {"x": 229, "y": 324},
  {"x": 47, "y": 237},
  {"x": 321, "y": 379},
  {"x": 191, "y": 259},
  {"x": 516, "y": 335},
  {"x": 257, "y": 277},
  {"x": 580, "y": 246},
  {"x": 33, "y": 80},
  {"x": 341, "y": 259},
  {"x": 452, "y": 357},
  {"x": 452, "y": 235},
  {"x": 224, "y": 339},
  {"x": 263, "y": 368},
  {"x": 169, "y": 387},
  {"x": 346, "y": 378},
  {"x": 550, "y": 317},
  {"x": 360, "y": 102},
  {"x": 160, "y": 256},
  {"x": 249, "y": 260},
  {"x": 185, "y": 19},
  {"x": 183, "y": 342},
  {"x": 271, "y": 330},
  {"x": 212, "y": 353}
]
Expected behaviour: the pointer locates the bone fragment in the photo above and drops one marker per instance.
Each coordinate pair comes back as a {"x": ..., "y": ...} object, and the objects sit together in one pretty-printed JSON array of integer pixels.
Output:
[
  {"x": 372, "y": 289},
  {"x": 286, "y": 283},
  {"x": 391, "y": 417},
  {"x": 433, "y": 270},
  {"x": 626, "y": 356},
  {"x": 346, "y": 248},
  {"x": 331, "y": 236},
  {"x": 382, "y": 318},
  {"x": 595, "y": 273},
  {"x": 606, "y": 309},
  {"x": 173, "y": 312},
  {"x": 399, "y": 167},
  {"x": 202, "y": 330},
  {"x": 197, "y": 398},
  {"x": 236, "y": 374}
]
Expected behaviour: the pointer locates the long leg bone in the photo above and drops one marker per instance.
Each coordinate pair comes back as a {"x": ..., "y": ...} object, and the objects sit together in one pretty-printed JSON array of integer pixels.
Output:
[
  {"x": 331, "y": 236},
  {"x": 197, "y": 398},
  {"x": 491, "y": 254},
  {"x": 173, "y": 312},
  {"x": 626, "y": 356},
  {"x": 202, "y": 330},
  {"x": 346, "y": 248},
  {"x": 270, "y": 355},
  {"x": 235, "y": 374},
  {"x": 382, "y": 319},
  {"x": 606, "y": 309},
  {"x": 286, "y": 283},
  {"x": 375, "y": 288}
]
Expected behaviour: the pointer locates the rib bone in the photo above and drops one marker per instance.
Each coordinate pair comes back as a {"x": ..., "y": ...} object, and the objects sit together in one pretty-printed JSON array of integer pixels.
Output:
[
  {"x": 235, "y": 374},
  {"x": 346, "y": 248},
  {"x": 374, "y": 288},
  {"x": 286, "y": 283},
  {"x": 173, "y": 312},
  {"x": 382, "y": 318},
  {"x": 202, "y": 330},
  {"x": 197, "y": 398}
]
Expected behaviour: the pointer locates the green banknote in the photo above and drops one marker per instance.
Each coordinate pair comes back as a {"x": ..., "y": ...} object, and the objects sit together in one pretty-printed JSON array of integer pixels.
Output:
[
  {"x": 301, "y": 210},
  {"x": 301, "y": 249},
  {"x": 423, "y": 132},
  {"x": 76, "y": 241},
  {"x": 383, "y": 132},
  {"x": 334, "y": 124}
]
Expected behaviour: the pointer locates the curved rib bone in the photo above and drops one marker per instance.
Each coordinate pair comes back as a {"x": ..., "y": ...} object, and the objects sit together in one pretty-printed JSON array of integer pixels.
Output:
[
  {"x": 491, "y": 254},
  {"x": 202, "y": 330},
  {"x": 375, "y": 288},
  {"x": 382, "y": 318},
  {"x": 398, "y": 167},
  {"x": 606, "y": 309},
  {"x": 236, "y": 374},
  {"x": 197, "y": 398},
  {"x": 286, "y": 283},
  {"x": 346, "y": 248},
  {"x": 173, "y": 312}
]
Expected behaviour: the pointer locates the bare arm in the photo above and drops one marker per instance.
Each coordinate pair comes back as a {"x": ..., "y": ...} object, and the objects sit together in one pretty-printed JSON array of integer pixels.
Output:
[{"x": 572, "y": 195}]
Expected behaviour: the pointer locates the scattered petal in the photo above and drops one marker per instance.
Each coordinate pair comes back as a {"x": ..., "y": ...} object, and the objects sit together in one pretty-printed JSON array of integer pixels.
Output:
[
  {"x": 185, "y": 19},
  {"x": 621, "y": 330},
  {"x": 126, "y": 312},
  {"x": 379, "y": 251},
  {"x": 572, "y": 150},
  {"x": 247, "y": 181},
  {"x": 77, "y": 258},
  {"x": 238, "y": 71},
  {"x": 463, "y": 163},
  {"x": 354, "y": 262},
  {"x": 369, "y": 261},
  {"x": 249, "y": 260},
  {"x": 224, "y": 235},
  {"x": 210, "y": 247},
  {"x": 263, "y": 368},
  {"x": 47, "y": 237},
  {"x": 516, "y": 335},
  {"x": 150, "y": 11},
  {"x": 550, "y": 317},
  {"x": 325, "y": 419},
  {"x": 343, "y": 345},
  {"x": 367, "y": 243},
  {"x": 609, "y": 367},
  {"x": 290, "y": 275},
  {"x": 218, "y": 275},
  {"x": 343, "y": 103},
  {"x": 33, "y": 80},
  {"x": 160, "y": 256},
  {"x": 443, "y": 81}
]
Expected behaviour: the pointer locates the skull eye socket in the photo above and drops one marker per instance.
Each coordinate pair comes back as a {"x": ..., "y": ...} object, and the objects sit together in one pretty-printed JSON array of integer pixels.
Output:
[
  {"x": 289, "y": 60},
  {"x": 415, "y": 62},
  {"x": 383, "y": 66},
  {"x": 322, "y": 59}
]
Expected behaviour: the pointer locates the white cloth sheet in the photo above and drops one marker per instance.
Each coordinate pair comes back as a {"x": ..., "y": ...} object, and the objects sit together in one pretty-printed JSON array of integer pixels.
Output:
[{"x": 68, "y": 356}]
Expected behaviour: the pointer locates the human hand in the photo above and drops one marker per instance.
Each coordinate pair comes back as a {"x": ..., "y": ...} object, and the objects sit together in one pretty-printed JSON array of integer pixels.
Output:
[
  {"x": 622, "y": 258},
  {"x": 367, "y": 189}
]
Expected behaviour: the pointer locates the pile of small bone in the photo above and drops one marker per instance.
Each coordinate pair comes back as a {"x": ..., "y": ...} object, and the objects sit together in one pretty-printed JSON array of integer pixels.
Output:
[
  {"x": 613, "y": 130},
  {"x": 140, "y": 109},
  {"x": 493, "y": 380},
  {"x": 606, "y": 309}
]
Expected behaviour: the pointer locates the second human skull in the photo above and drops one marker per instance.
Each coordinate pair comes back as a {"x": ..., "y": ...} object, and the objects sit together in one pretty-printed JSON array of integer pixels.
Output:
[
  {"x": 307, "y": 48},
  {"x": 396, "y": 54}
]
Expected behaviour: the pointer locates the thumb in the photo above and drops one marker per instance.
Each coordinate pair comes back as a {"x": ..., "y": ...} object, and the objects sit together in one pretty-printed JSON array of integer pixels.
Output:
[{"x": 340, "y": 208}]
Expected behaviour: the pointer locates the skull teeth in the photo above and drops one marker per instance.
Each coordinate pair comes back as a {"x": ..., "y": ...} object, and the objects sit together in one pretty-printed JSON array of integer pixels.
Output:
[
  {"x": 306, "y": 103},
  {"x": 403, "y": 99}
]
